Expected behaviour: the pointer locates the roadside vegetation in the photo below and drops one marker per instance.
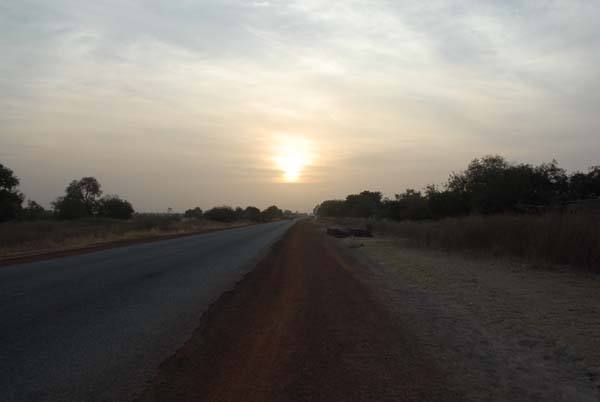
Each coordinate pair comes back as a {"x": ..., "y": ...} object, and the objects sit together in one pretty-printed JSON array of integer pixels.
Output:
[
  {"x": 539, "y": 213},
  {"x": 83, "y": 216}
]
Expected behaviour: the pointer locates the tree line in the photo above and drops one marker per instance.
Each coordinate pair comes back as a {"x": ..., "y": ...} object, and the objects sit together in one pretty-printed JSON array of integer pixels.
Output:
[
  {"x": 228, "y": 214},
  {"x": 489, "y": 185},
  {"x": 83, "y": 199}
]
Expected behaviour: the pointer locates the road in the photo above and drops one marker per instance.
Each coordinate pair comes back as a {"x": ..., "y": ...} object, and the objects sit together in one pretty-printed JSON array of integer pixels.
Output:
[
  {"x": 302, "y": 326},
  {"x": 95, "y": 327}
]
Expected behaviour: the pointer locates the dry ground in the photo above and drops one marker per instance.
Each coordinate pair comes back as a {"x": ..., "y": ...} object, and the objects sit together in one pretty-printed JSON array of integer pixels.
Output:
[{"x": 507, "y": 331}]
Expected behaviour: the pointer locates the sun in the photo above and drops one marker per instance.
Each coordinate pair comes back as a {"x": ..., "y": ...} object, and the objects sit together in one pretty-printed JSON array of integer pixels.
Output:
[{"x": 291, "y": 159}]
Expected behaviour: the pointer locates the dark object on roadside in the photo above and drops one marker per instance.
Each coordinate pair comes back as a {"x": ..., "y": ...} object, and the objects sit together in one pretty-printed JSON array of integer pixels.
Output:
[{"x": 347, "y": 232}]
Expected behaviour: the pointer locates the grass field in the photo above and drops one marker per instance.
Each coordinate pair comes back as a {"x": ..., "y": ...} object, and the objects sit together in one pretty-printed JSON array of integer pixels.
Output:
[
  {"x": 19, "y": 238},
  {"x": 562, "y": 239}
]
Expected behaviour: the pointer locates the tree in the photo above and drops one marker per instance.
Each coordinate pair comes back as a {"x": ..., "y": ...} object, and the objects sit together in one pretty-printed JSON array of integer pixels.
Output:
[
  {"x": 364, "y": 205},
  {"x": 585, "y": 185},
  {"x": 272, "y": 213},
  {"x": 80, "y": 200},
  {"x": 446, "y": 203},
  {"x": 87, "y": 190},
  {"x": 34, "y": 211},
  {"x": 239, "y": 213},
  {"x": 221, "y": 214},
  {"x": 70, "y": 208},
  {"x": 252, "y": 214},
  {"x": 409, "y": 205},
  {"x": 11, "y": 199},
  {"x": 114, "y": 207},
  {"x": 194, "y": 213},
  {"x": 331, "y": 209}
]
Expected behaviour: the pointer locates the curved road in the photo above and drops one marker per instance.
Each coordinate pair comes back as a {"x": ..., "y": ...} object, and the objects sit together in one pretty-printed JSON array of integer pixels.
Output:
[{"x": 95, "y": 327}]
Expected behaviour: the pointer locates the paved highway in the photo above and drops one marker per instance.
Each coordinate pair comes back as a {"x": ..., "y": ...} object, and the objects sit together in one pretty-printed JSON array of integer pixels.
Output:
[{"x": 95, "y": 327}]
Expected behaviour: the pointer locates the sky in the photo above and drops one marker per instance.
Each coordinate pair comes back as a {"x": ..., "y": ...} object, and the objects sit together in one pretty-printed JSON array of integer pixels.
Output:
[{"x": 201, "y": 103}]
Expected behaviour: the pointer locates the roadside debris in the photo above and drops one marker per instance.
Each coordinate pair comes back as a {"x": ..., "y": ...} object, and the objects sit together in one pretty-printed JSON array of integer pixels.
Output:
[{"x": 341, "y": 232}]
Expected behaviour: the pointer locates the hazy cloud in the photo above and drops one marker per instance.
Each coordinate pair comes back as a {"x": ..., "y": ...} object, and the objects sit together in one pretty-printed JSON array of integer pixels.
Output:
[{"x": 146, "y": 94}]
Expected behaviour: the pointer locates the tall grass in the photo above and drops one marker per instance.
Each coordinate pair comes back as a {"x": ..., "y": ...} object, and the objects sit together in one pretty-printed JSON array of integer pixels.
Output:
[
  {"x": 554, "y": 238},
  {"x": 47, "y": 235}
]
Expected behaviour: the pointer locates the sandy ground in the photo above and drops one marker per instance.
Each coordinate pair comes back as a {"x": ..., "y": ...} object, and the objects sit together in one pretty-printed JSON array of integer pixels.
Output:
[
  {"x": 301, "y": 327},
  {"x": 503, "y": 330}
]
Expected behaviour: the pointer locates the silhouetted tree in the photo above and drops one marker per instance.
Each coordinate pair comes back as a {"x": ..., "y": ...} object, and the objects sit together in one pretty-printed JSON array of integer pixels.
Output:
[
  {"x": 239, "y": 213},
  {"x": 194, "y": 213},
  {"x": 34, "y": 211},
  {"x": 363, "y": 205},
  {"x": 332, "y": 208},
  {"x": 80, "y": 201},
  {"x": 221, "y": 214},
  {"x": 272, "y": 213},
  {"x": 446, "y": 203},
  {"x": 409, "y": 205},
  {"x": 114, "y": 207},
  {"x": 585, "y": 185},
  {"x": 252, "y": 214},
  {"x": 11, "y": 199}
]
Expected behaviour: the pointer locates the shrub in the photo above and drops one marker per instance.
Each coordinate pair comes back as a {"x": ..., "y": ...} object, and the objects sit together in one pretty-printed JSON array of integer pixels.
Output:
[
  {"x": 221, "y": 214},
  {"x": 115, "y": 208}
]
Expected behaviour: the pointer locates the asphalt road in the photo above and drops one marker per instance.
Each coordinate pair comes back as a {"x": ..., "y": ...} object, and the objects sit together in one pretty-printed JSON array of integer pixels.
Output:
[{"x": 95, "y": 327}]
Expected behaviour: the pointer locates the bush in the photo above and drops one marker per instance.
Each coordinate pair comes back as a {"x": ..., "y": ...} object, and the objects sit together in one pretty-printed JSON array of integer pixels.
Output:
[
  {"x": 252, "y": 214},
  {"x": 194, "y": 213},
  {"x": 221, "y": 214},
  {"x": 115, "y": 208},
  {"x": 34, "y": 211},
  {"x": 70, "y": 208},
  {"x": 272, "y": 213}
]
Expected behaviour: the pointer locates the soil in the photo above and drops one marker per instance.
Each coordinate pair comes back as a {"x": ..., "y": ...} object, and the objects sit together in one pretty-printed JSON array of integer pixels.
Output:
[{"x": 302, "y": 326}]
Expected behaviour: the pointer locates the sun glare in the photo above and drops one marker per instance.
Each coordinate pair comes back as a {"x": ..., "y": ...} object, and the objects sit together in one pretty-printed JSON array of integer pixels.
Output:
[{"x": 291, "y": 159}]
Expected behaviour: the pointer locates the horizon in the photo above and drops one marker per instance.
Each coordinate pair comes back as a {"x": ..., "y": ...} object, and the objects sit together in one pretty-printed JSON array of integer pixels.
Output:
[{"x": 178, "y": 105}]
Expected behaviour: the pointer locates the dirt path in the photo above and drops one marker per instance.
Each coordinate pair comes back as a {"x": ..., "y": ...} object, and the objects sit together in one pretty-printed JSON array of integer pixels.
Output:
[{"x": 300, "y": 327}]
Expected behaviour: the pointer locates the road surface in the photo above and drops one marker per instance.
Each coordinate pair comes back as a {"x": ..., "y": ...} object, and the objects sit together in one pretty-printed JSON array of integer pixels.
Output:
[
  {"x": 95, "y": 327},
  {"x": 302, "y": 327}
]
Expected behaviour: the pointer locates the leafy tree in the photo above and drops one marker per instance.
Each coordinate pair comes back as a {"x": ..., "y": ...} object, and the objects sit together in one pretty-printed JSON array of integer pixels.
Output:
[
  {"x": 239, "y": 213},
  {"x": 70, "y": 208},
  {"x": 364, "y": 205},
  {"x": 34, "y": 211},
  {"x": 11, "y": 199},
  {"x": 221, "y": 214},
  {"x": 80, "y": 200},
  {"x": 87, "y": 190},
  {"x": 409, "y": 205},
  {"x": 585, "y": 185},
  {"x": 272, "y": 213},
  {"x": 252, "y": 214},
  {"x": 114, "y": 207},
  {"x": 332, "y": 208},
  {"x": 446, "y": 203},
  {"x": 194, "y": 213}
]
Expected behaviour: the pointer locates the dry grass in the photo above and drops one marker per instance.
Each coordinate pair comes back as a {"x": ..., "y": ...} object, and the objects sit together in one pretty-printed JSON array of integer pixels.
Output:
[
  {"x": 18, "y": 238},
  {"x": 504, "y": 331},
  {"x": 562, "y": 239}
]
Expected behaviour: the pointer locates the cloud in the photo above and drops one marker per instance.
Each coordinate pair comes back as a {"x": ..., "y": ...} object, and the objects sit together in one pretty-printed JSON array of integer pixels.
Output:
[{"x": 181, "y": 86}]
